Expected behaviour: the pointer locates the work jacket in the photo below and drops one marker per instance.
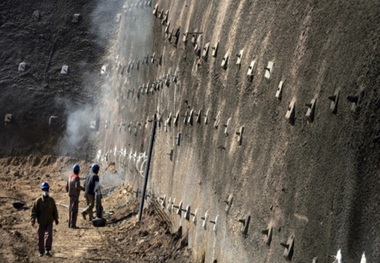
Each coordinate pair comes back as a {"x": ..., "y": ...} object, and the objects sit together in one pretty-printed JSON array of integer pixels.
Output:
[
  {"x": 44, "y": 210},
  {"x": 89, "y": 185},
  {"x": 73, "y": 185}
]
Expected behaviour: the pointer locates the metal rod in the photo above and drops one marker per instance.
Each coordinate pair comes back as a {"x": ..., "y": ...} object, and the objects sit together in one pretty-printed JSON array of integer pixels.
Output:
[
  {"x": 195, "y": 33},
  {"x": 147, "y": 168}
]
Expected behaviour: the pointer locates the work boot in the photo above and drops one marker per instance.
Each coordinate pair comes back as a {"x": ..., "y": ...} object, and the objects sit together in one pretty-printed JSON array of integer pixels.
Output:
[
  {"x": 41, "y": 254},
  {"x": 84, "y": 215},
  {"x": 48, "y": 253}
]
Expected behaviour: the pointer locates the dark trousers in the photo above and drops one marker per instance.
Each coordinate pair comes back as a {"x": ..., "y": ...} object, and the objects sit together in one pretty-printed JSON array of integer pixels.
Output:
[
  {"x": 73, "y": 211},
  {"x": 45, "y": 237},
  {"x": 99, "y": 207}
]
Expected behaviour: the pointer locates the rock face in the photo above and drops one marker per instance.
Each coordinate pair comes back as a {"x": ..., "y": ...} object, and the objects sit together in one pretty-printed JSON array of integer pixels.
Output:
[
  {"x": 262, "y": 116},
  {"x": 282, "y": 113},
  {"x": 39, "y": 46}
]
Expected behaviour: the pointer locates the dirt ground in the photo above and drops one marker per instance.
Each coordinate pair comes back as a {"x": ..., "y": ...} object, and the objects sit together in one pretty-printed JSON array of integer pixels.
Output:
[{"x": 123, "y": 239}]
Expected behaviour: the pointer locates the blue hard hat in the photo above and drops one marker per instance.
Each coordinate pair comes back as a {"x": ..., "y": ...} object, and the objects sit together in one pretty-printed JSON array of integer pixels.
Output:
[
  {"x": 45, "y": 186},
  {"x": 76, "y": 169},
  {"x": 95, "y": 168}
]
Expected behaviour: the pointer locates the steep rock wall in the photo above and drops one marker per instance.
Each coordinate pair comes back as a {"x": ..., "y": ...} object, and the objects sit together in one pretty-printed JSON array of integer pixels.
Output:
[{"x": 314, "y": 179}]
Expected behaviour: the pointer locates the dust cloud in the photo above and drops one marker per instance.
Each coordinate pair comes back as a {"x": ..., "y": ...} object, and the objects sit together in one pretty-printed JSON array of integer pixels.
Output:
[
  {"x": 120, "y": 27},
  {"x": 77, "y": 129}
]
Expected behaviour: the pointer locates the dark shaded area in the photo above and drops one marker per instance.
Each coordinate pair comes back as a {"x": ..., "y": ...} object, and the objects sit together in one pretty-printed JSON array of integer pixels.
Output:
[{"x": 45, "y": 36}]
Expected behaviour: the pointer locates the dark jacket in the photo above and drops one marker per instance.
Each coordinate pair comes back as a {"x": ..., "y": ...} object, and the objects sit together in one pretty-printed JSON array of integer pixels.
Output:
[
  {"x": 44, "y": 210},
  {"x": 89, "y": 184}
]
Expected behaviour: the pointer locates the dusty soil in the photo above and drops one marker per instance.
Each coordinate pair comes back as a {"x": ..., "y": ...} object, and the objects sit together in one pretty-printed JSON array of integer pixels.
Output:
[{"x": 123, "y": 239}]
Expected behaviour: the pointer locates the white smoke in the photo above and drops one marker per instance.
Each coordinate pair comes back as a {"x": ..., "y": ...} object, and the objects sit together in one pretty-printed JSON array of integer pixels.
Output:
[
  {"x": 110, "y": 180},
  {"x": 104, "y": 20},
  {"x": 77, "y": 130}
]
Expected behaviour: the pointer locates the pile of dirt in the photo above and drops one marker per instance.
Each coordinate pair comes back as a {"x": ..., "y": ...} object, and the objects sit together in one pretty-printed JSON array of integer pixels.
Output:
[{"x": 123, "y": 239}]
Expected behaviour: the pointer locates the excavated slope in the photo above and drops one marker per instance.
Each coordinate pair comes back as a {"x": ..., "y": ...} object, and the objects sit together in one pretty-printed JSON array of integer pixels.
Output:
[{"x": 227, "y": 145}]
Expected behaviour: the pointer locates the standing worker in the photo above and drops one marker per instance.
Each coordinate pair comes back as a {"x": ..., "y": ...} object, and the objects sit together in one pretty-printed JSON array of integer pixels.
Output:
[
  {"x": 45, "y": 211},
  {"x": 98, "y": 221},
  {"x": 73, "y": 188},
  {"x": 98, "y": 201},
  {"x": 89, "y": 190}
]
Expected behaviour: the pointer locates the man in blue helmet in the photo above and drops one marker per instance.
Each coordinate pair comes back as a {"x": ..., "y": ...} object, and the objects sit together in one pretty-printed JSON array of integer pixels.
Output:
[
  {"x": 45, "y": 211},
  {"x": 89, "y": 190},
  {"x": 73, "y": 187}
]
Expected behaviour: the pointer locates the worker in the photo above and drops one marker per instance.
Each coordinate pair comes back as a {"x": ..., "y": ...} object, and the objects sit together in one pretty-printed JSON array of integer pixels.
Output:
[
  {"x": 89, "y": 189},
  {"x": 98, "y": 221},
  {"x": 73, "y": 187},
  {"x": 45, "y": 211},
  {"x": 98, "y": 201}
]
